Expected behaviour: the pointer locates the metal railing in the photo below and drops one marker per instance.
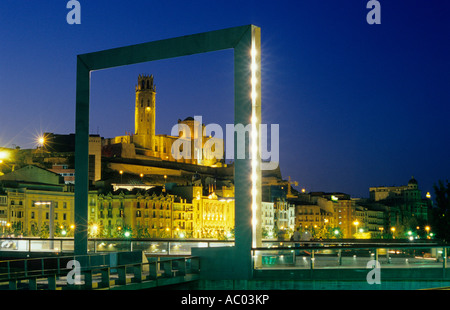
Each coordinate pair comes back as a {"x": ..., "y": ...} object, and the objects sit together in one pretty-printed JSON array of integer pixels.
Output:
[
  {"x": 165, "y": 246},
  {"x": 154, "y": 246},
  {"x": 289, "y": 255},
  {"x": 409, "y": 260},
  {"x": 148, "y": 246},
  {"x": 97, "y": 271},
  {"x": 23, "y": 268}
]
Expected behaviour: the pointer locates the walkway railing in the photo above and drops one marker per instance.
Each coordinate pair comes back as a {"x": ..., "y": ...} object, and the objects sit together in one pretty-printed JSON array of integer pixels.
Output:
[
  {"x": 148, "y": 246},
  {"x": 96, "y": 272},
  {"x": 165, "y": 246},
  {"x": 275, "y": 260},
  {"x": 290, "y": 255}
]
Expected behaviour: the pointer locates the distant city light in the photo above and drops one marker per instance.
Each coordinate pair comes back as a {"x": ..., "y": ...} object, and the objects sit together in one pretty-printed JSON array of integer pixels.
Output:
[{"x": 3, "y": 155}]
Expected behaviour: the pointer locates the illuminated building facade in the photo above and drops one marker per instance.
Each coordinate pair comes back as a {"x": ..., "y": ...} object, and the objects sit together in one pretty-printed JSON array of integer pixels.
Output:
[
  {"x": 284, "y": 215},
  {"x": 267, "y": 218},
  {"x": 189, "y": 212},
  {"x": 22, "y": 194},
  {"x": 159, "y": 214},
  {"x": 151, "y": 213},
  {"x": 321, "y": 211},
  {"x": 213, "y": 216},
  {"x": 313, "y": 216}
]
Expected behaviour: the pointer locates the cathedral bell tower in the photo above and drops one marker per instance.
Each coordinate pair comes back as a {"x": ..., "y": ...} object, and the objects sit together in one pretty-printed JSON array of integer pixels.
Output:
[{"x": 144, "y": 121}]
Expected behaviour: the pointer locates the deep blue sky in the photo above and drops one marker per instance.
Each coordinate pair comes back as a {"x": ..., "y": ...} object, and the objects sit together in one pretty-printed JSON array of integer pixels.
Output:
[{"x": 358, "y": 105}]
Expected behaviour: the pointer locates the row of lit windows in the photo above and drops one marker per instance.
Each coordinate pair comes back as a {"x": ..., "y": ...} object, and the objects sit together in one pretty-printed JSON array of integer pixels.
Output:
[
  {"x": 138, "y": 205},
  {"x": 20, "y": 214},
  {"x": 33, "y": 203}
]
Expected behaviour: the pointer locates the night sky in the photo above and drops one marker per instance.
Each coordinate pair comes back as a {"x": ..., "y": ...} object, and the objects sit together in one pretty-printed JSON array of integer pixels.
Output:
[{"x": 358, "y": 105}]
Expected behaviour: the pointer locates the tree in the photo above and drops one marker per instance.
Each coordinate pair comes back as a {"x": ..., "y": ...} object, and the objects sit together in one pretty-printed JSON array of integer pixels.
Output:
[
  {"x": 141, "y": 231},
  {"x": 44, "y": 232},
  {"x": 440, "y": 214},
  {"x": 335, "y": 232}
]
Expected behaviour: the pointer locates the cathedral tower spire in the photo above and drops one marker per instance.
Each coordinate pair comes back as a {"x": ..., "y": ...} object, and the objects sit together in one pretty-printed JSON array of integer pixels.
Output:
[{"x": 145, "y": 112}]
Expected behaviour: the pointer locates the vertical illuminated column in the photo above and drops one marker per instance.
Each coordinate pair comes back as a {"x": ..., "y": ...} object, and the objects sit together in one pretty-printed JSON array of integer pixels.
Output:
[{"x": 255, "y": 67}]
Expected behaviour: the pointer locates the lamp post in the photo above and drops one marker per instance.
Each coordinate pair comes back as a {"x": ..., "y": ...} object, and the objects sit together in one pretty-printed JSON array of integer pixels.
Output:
[
  {"x": 393, "y": 231},
  {"x": 427, "y": 228},
  {"x": 52, "y": 219},
  {"x": 356, "y": 223}
]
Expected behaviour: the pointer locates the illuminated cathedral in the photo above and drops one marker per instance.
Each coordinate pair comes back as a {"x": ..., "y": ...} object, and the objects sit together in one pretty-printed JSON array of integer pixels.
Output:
[{"x": 145, "y": 143}]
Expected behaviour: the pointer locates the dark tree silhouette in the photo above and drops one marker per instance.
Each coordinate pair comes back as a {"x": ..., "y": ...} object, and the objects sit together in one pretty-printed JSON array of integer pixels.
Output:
[{"x": 441, "y": 212}]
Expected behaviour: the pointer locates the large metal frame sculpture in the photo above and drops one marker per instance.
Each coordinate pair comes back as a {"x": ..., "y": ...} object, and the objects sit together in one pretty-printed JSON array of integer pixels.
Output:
[{"x": 245, "y": 40}]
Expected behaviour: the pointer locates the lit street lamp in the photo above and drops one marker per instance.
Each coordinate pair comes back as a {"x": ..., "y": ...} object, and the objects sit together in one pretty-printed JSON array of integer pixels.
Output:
[
  {"x": 3, "y": 155},
  {"x": 41, "y": 141},
  {"x": 393, "y": 231},
  {"x": 356, "y": 223},
  {"x": 427, "y": 228}
]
